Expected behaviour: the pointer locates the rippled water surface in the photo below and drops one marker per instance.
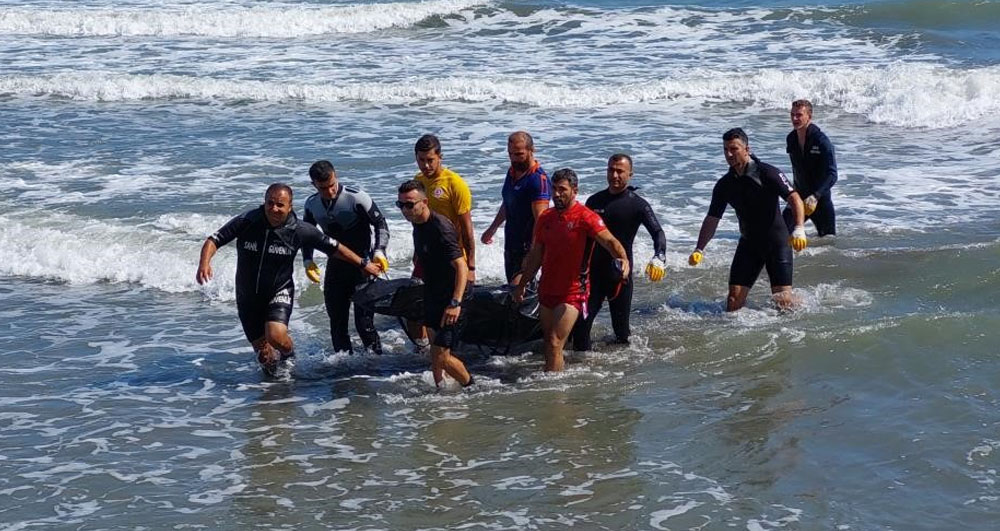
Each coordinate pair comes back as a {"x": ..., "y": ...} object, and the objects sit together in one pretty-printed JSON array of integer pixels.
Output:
[{"x": 130, "y": 399}]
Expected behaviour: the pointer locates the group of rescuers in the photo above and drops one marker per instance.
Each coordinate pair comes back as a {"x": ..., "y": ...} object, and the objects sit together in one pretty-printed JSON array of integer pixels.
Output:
[{"x": 584, "y": 251}]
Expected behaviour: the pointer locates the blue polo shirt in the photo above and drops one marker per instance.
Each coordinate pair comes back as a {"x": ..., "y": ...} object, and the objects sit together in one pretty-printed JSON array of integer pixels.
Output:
[{"x": 518, "y": 196}]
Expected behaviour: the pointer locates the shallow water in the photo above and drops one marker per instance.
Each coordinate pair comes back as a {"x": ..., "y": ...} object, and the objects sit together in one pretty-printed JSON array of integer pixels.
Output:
[{"x": 134, "y": 129}]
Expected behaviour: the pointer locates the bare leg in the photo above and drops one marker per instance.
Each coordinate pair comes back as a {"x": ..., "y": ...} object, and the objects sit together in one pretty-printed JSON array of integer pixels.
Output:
[
  {"x": 784, "y": 298},
  {"x": 443, "y": 362},
  {"x": 557, "y": 323},
  {"x": 277, "y": 336},
  {"x": 737, "y": 297}
]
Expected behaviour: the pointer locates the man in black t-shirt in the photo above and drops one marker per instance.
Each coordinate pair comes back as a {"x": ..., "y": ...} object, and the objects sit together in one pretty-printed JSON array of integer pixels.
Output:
[
  {"x": 267, "y": 239},
  {"x": 445, "y": 275},
  {"x": 752, "y": 188}
]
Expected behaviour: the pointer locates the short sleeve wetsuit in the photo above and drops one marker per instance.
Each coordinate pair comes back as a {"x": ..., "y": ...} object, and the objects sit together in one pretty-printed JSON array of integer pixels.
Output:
[
  {"x": 519, "y": 196},
  {"x": 569, "y": 239},
  {"x": 814, "y": 167},
  {"x": 763, "y": 235},
  {"x": 265, "y": 260},
  {"x": 622, "y": 213},
  {"x": 435, "y": 243},
  {"x": 350, "y": 217}
]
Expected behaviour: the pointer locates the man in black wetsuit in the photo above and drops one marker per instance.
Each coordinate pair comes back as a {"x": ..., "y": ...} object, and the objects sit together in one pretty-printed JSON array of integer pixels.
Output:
[
  {"x": 814, "y": 165},
  {"x": 267, "y": 239},
  {"x": 623, "y": 211},
  {"x": 445, "y": 275},
  {"x": 752, "y": 188},
  {"x": 347, "y": 215}
]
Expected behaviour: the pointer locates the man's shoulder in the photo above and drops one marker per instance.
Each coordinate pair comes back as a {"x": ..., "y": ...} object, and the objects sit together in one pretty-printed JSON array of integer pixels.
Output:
[
  {"x": 311, "y": 200},
  {"x": 449, "y": 175}
]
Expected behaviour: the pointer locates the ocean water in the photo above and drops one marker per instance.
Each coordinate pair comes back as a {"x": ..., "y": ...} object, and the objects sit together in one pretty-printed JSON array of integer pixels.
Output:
[{"x": 132, "y": 129}]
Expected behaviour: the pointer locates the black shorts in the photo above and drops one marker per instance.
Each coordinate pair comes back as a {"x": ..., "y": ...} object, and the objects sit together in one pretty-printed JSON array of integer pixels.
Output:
[
  {"x": 254, "y": 312},
  {"x": 447, "y": 336},
  {"x": 512, "y": 259},
  {"x": 750, "y": 258}
]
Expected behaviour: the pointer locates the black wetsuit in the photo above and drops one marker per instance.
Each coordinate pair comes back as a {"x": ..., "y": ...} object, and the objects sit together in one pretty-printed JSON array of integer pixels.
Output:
[
  {"x": 763, "y": 235},
  {"x": 348, "y": 217},
  {"x": 622, "y": 214},
  {"x": 815, "y": 171},
  {"x": 265, "y": 259},
  {"x": 435, "y": 243}
]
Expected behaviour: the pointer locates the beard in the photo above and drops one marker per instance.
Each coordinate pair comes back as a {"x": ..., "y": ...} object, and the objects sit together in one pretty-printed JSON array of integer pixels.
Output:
[{"x": 520, "y": 167}]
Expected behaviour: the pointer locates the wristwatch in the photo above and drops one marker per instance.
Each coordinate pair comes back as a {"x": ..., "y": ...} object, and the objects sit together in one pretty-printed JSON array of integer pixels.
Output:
[{"x": 455, "y": 303}]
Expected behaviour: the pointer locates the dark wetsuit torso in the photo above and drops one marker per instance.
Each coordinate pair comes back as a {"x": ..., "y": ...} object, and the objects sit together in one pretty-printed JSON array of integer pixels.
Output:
[
  {"x": 622, "y": 214},
  {"x": 763, "y": 235},
  {"x": 815, "y": 172},
  {"x": 349, "y": 217},
  {"x": 435, "y": 244},
  {"x": 265, "y": 260}
]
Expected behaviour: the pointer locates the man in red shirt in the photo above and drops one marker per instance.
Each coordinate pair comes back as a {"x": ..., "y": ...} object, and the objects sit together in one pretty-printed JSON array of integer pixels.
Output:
[{"x": 563, "y": 242}]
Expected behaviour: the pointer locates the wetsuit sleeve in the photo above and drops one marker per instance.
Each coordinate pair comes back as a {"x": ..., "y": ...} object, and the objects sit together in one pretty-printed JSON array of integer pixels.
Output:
[
  {"x": 655, "y": 230},
  {"x": 775, "y": 180},
  {"x": 313, "y": 238},
  {"x": 829, "y": 158},
  {"x": 230, "y": 230},
  {"x": 307, "y": 251},
  {"x": 719, "y": 200},
  {"x": 371, "y": 213}
]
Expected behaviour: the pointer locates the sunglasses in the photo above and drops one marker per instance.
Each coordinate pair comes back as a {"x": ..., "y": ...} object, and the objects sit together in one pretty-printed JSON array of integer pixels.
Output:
[{"x": 408, "y": 205}]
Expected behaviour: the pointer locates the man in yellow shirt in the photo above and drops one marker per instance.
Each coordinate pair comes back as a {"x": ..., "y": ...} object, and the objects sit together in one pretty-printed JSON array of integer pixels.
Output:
[{"x": 448, "y": 195}]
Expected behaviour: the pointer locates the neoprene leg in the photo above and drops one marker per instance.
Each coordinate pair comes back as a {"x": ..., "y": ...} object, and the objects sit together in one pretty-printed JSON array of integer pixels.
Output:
[
  {"x": 620, "y": 309},
  {"x": 337, "y": 295}
]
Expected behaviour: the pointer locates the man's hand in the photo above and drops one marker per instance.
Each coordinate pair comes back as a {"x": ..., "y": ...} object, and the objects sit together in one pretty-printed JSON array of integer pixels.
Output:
[
  {"x": 623, "y": 267},
  {"x": 655, "y": 269},
  {"x": 312, "y": 272},
  {"x": 204, "y": 273},
  {"x": 798, "y": 239},
  {"x": 487, "y": 236},
  {"x": 371, "y": 268},
  {"x": 450, "y": 316},
  {"x": 517, "y": 295},
  {"x": 695, "y": 257},
  {"x": 809, "y": 206},
  {"x": 381, "y": 261}
]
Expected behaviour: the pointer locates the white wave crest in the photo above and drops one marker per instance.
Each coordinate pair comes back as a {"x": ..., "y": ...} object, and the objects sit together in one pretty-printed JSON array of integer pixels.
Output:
[
  {"x": 259, "y": 21},
  {"x": 904, "y": 94}
]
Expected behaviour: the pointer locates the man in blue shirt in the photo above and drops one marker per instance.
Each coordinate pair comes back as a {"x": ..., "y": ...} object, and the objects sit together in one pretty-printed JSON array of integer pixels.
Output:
[
  {"x": 814, "y": 165},
  {"x": 525, "y": 195}
]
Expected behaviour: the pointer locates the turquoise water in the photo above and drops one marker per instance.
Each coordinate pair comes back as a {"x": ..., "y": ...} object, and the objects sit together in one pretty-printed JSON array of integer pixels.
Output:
[{"x": 133, "y": 129}]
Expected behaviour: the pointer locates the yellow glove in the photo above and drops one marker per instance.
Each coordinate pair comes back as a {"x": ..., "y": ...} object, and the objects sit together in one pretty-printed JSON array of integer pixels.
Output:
[
  {"x": 809, "y": 205},
  {"x": 380, "y": 260},
  {"x": 312, "y": 272},
  {"x": 655, "y": 269},
  {"x": 798, "y": 239},
  {"x": 695, "y": 257}
]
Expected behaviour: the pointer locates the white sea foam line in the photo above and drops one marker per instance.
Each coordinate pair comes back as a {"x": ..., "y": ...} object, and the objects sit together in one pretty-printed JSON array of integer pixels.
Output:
[
  {"x": 902, "y": 94},
  {"x": 273, "y": 21}
]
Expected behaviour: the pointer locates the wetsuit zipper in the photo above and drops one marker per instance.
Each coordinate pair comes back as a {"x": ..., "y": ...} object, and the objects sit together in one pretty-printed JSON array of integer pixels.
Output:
[{"x": 263, "y": 252}]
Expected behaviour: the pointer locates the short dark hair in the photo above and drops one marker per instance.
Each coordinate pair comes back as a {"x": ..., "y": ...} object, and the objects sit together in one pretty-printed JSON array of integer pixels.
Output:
[
  {"x": 735, "y": 133},
  {"x": 566, "y": 174},
  {"x": 412, "y": 184},
  {"x": 619, "y": 157},
  {"x": 522, "y": 135},
  {"x": 278, "y": 187},
  {"x": 321, "y": 170},
  {"x": 427, "y": 143},
  {"x": 806, "y": 104}
]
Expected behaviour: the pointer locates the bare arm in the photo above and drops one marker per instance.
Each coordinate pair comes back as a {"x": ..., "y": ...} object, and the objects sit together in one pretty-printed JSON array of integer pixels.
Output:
[
  {"x": 798, "y": 209},
  {"x": 451, "y": 313},
  {"x": 208, "y": 249},
  {"x": 349, "y": 256},
  {"x": 468, "y": 242},
  {"x": 538, "y": 207},
  {"x": 498, "y": 220}
]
